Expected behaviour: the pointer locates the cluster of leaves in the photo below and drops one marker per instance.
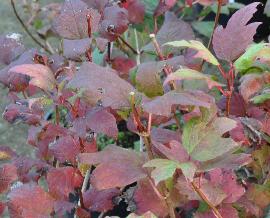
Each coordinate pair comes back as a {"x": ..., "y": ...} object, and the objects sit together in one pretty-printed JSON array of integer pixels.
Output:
[{"x": 204, "y": 146}]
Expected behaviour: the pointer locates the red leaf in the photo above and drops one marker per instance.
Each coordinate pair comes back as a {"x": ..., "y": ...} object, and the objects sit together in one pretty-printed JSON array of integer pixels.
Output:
[
  {"x": 123, "y": 65},
  {"x": 163, "y": 6},
  {"x": 8, "y": 174},
  {"x": 100, "y": 201},
  {"x": 237, "y": 106},
  {"x": 72, "y": 22},
  {"x": 101, "y": 121},
  {"x": 19, "y": 112},
  {"x": 97, "y": 4},
  {"x": 63, "y": 181},
  {"x": 162, "y": 105},
  {"x": 41, "y": 76},
  {"x": 30, "y": 199},
  {"x": 102, "y": 85},
  {"x": 66, "y": 149},
  {"x": 164, "y": 136},
  {"x": 81, "y": 213},
  {"x": 146, "y": 199},
  {"x": 226, "y": 180},
  {"x": 115, "y": 22},
  {"x": 230, "y": 42},
  {"x": 117, "y": 167},
  {"x": 10, "y": 47},
  {"x": 135, "y": 10}
]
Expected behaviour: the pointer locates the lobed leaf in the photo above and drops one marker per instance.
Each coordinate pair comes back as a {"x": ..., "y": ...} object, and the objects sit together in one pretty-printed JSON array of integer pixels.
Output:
[
  {"x": 164, "y": 169},
  {"x": 230, "y": 42}
]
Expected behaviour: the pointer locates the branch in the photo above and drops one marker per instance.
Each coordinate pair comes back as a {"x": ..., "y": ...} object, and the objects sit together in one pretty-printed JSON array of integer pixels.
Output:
[
  {"x": 26, "y": 29},
  {"x": 128, "y": 45},
  {"x": 202, "y": 195}
]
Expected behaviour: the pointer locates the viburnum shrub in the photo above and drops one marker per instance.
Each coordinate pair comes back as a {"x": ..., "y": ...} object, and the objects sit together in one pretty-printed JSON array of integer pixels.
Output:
[{"x": 198, "y": 115}]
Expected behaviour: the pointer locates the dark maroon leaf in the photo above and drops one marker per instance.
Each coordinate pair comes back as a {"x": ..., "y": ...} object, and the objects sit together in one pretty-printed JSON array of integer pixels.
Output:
[
  {"x": 162, "y": 105},
  {"x": 135, "y": 10},
  {"x": 30, "y": 200},
  {"x": 72, "y": 22},
  {"x": 100, "y": 201},
  {"x": 103, "y": 86},
  {"x": 63, "y": 181},
  {"x": 10, "y": 47},
  {"x": 230, "y": 42},
  {"x": 163, "y": 6},
  {"x": 117, "y": 167},
  {"x": 74, "y": 49},
  {"x": 101, "y": 121},
  {"x": 164, "y": 136},
  {"x": 237, "y": 106},
  {"x": 8, "y": 174},
  {"x": 173, "y": 29},
  {"x": 146, "y": 199},
  {"x": 115, "y": 22}
]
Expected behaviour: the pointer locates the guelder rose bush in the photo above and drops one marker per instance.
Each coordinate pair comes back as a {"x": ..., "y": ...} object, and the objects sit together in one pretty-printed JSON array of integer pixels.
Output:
[{"x": 201, "y": 113}]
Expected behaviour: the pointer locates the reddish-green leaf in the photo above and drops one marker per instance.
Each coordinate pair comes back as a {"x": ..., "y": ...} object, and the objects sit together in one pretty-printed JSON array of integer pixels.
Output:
[
  {"x": 41, "y": 76},
  {"x": 189, "y": 74},
  {"x": 63, "y": 181}
]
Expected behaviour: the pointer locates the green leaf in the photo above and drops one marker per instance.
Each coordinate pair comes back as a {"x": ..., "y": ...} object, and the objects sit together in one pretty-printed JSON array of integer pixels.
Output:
[
  {"x": 259, "y": 99},
  {"x": 203, "y": 52},
  {"x": 165, "y": 169},
  {"x": 245, "y": 62},
  {"x": 203, "y": 27},
  {"x": 203, "y": 139},
  {"x": 189, "y": 74}
]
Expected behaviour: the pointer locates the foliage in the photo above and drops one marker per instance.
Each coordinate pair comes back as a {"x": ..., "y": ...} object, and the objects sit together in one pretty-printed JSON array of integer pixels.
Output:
[{"x": 198, "y": 147}]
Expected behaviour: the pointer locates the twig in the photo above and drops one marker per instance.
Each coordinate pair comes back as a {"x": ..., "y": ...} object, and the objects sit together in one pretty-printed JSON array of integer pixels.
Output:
[
  {"x": 202, "y": 195},
  {"x": 216, "y": 22},
  {"x": 138, "y": 56},
  {"x": 128, "y": 45},
  {"x": 26, "y": 29}
]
